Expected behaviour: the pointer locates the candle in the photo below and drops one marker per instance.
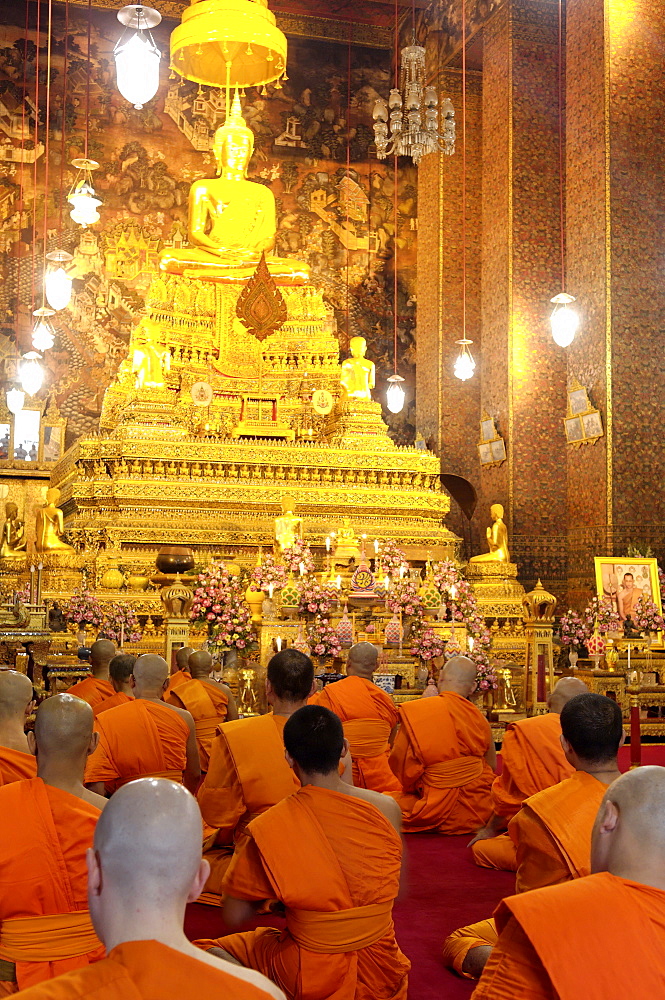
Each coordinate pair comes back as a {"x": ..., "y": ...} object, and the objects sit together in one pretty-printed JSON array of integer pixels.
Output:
[
  {"x": 338, "y": 582},
  {"x": 270, "y": 590},
  {"x": 32, "y": 584},
  {"x": 401, "y": 572},
  {"x": 376, "y": 546},
  {"x": 470, "y": 642},
  {"x": 40, "y": 567},
  {"x": 122, "y": 635},
  {"x": 386, "y": 582},
  {"x": 302, "y": 569},
  {"x": 453, "y": 592},
  {"x": 278, "y": 643},
  {"x": 327, "y": 543}
]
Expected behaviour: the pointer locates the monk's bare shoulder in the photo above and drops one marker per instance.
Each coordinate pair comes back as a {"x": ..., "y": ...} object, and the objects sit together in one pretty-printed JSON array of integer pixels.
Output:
[
  {"x": 99, "y": 801},
  {"x": 384, "y": 803},
  {"x": 246, "y": 975}
]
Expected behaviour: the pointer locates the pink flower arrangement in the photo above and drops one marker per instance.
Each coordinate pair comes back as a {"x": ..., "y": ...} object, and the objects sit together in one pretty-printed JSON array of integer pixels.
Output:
[
  {"x": 573, "y": 629},
  {"x": 486, "y": 679},
  {"x": 402, "y": 595},
  {"x": 314, "y": 600},
  {"x": 647, "y": 617},
  {"x": 84, "y": 609},
  {"x": 269, "y": 572},
  {"x": 391, "y": 559},
  {"x": 323, "y": 638},
  {"x": 296, "y": 554},
  {"x": 427, "y": 644},
  {"x": 121, "y": 622},
  {"x": 219, "y": 603},
  {"x": 601, "y": 612}
]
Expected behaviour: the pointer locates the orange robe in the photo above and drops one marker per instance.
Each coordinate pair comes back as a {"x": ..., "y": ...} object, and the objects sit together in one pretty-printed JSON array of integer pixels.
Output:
[
  {"x": 533, "y": 759},
  {"x": 561, "y": 943},
  {"x": 45, "y": 928},
  {"x": 15, "y": 765},
  {"x": 146, "y": 970},
  {"x": 119, "y": 698},
  {"x": 368, "y": 715},
  {"x": 179, "y": 677},
  {"x": 248, "y": 774},
  {"x": 334, "y": 862},
  {"x": 138, "y": 740},
  {"x": 93, "y": 690},
  {"x": 439, "y": 758},
  {"x": 552, "y": 835},
  {"x": 208, "y": 706}
]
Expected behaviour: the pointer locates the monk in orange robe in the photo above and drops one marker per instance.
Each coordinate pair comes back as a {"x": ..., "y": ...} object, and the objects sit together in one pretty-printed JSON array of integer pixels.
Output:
[
  {"x": 552, "y": 830},
  {"x": 444, "y": 757},
  {"x": 47, "y": 826},
  {"x": 369, "y": 718},
  {"x": 532, "y": 759},
  {"x": 181, "y": 672},
  {"x": 331, "y": 855},
  {"x": 248, "y": 772},
  {"x": 137, "y": 903},
  {"x": 97, "y": 687},
  {"x": 120, "y": 674},
  {"x": 145, "y": 737},
  {"x": 208, "y": 702},
  {"x": 561, "y": 942},
  {"x": 16, "y": 702}
]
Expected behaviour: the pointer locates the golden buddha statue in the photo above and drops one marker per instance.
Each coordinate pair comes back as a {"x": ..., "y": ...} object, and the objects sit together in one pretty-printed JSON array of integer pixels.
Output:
[
  {"x": 50, "y": 525},
  {"x": 150, "y": 358},
  {"x": 13, "y": 533},
  {"x": 288, "y": 526},
  {"x": 347, "y": 547},
  {"x": 497, "y": 538},
  {"x": 232, "y": 220},
  {"x": 358, "y": 375}
]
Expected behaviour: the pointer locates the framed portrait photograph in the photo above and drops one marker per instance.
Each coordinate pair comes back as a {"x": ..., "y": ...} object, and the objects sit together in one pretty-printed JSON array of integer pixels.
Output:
[
  {"x": 592, "y": 424},
  {"x": 578, "y": 401},
  {"x": 625, "y": 580},
  {"x": 485, "y": 452},
  {"x": 487, "y": 429},
  {"x": 574, "y": 429},
  {"x": 498, "y": 450}
]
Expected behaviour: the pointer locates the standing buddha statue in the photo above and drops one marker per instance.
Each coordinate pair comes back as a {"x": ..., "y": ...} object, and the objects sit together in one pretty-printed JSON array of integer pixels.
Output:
[
  {"x": 232, "y": 220},
  {"x": 288, "y": 526},
  {"x": 150, "y": 357}
]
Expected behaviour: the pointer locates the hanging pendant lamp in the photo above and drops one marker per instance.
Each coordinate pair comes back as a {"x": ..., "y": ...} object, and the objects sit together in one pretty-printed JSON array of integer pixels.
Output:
[
  {"x": 43, "y": 334},
  {"x": 57, "y": 283},
  {"x": 136, "y": 55},
  {"x": 31, "y": 373},
  {"x": 82, "y": 196},
  {"x": 15, "y": 400}
]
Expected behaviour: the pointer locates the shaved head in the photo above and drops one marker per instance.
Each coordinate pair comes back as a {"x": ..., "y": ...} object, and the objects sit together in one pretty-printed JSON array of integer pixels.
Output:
[
  {"x": 565, "y": 689},
  {"x": 362, "y": 660},
  {"x": 146, "y": 823},
  {"x": 63, "y": 728},
  {"x": 101, "y": 654},
  {"x": 15, "y": 695},
  {"x": 182, "y": 657},
  {"x": 200, "y": 663},
  {"x": 629, "y": 834},
  {"x": 150, "y": 673},
  {"x": 459, "y": 676}
]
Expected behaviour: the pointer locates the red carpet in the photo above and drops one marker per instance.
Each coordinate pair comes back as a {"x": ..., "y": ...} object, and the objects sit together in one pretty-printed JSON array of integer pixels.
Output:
[{"x": 446, "y": 891}]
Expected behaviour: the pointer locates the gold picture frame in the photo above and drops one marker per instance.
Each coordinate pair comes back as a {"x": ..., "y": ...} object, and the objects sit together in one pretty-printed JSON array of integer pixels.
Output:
[
  {"x": 491, "y": 447},
  {"x": 610, "y": 574},
  {"x": 583, "y": 423}
]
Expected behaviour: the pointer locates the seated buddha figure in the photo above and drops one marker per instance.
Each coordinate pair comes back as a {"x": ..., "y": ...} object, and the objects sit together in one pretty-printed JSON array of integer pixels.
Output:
[
  {"x": 358, "y": 375},
  {"x": 497, "y": 539},
  {"x": 232, "y": 220}
]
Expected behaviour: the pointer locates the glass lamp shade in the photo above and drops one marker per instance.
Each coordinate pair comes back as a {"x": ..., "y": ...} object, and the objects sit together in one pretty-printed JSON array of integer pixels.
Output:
[
  {"x": 58, "y": 288},
  {"x": 84, "y": 211},
  {"x": 43, "y": 334},
  {"x": 137, "y": 68},
  {"x": 31, "y": 373},
  {"x": 464, "y": 366},
  {"x": 565, "y": 321},
  {"x": 395, "y": 395},
  {"x": 15, "y": 400}
]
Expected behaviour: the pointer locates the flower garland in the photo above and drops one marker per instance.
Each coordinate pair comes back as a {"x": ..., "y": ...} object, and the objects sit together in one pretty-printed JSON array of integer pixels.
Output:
[
  {"x": 84, "y": 609},
  {"x": 268, "y": 572},
  {"x": 464, "y": 606},
  {"x": 323, "y": 638},
  {"x": 298, "y": 554},
  {"x": 313, "y": 599},
  {"x": 647, "y": 616},
  {"x": 486, "y": 678},
  {"x": 391, "y": 559},
  {"x": 219, "y": 603},
  {"x": 121, "y": 623}
]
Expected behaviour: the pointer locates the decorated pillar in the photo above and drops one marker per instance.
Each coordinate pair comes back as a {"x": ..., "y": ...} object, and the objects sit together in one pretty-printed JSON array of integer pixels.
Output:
[
  {"x": 538, "y": 625},
  {"x": 177, "y": 600}
]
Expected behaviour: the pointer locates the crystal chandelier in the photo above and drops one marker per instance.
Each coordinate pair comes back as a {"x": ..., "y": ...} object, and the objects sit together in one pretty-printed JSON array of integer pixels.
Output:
[{"x": 427, "y": 129}]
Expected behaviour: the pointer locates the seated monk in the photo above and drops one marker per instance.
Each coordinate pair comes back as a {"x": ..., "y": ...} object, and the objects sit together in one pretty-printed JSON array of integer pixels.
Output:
[
  {"x": 16, "y": 702},
  {"x": 248, "y": 772},
  {"x": 369, "y": 718},
  {"x": 144, "y": 737},
  {"x": 181, "y": 672},
  {"x": 120, "y": 674},
  {"x": 444, "y": 756},
  {"x": 552, "y": 830},
  {"x": 96, "y": 688},
  {"x": 46, "y": 829},
  {"x": 532, "y": 759},
  {"x": 600, "y": 936},
  {"x": 144, "y": 868},
  {"x": 208, "y": 702},
  {"x": 232, "y": 220},
  {"x": 331, "y": 854}
]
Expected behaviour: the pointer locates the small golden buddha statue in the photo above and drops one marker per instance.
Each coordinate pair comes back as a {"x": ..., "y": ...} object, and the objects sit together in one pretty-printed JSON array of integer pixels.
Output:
[
  {"x": 358, "y": 376},
  {"x": 288, "y": 526},
  {"x": 13, "y": 533},
  {"x": 50, "y": 525},
  {"x": 232, "y": 220},
  {"x": 347, "y": 547},
  {"x": 497, "y": 538},
  {"x": 150, "y": 358}
]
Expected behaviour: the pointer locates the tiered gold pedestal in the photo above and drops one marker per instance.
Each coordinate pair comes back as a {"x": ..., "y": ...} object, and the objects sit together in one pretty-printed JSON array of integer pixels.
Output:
[{"x": 499, "y": 596}]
